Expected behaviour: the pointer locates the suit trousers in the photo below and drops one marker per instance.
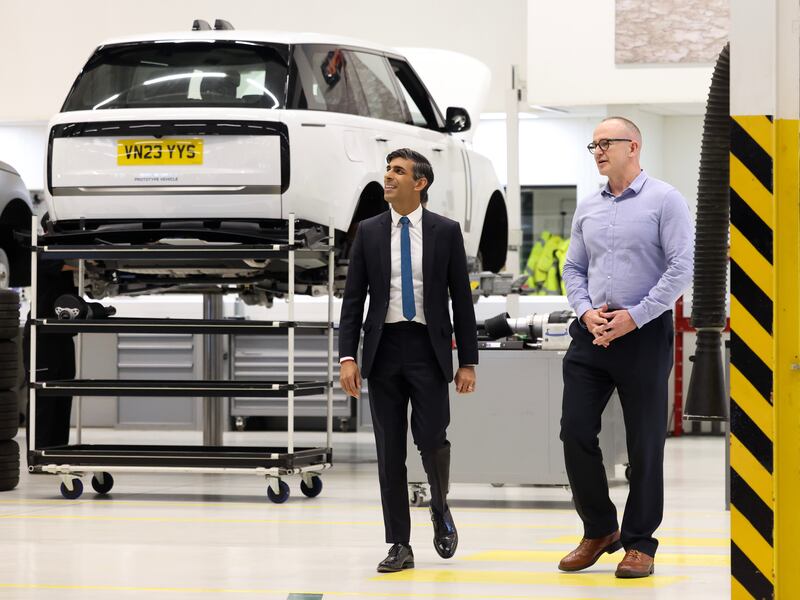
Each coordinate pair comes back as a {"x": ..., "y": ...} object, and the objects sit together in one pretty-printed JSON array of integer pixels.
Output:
[
  {"x": 638, "y": 366},
  {"x": 405, "y": 369}
]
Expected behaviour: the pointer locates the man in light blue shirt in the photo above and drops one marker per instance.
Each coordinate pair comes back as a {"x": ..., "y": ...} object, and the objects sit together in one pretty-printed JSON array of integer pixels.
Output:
[{"x": 630, "y": 258}]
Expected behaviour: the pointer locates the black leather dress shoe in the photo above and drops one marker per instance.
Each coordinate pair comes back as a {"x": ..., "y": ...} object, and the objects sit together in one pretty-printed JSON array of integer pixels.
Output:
[
  {"x": 400, "y": 557},
  {"x": 445, "y": 536}
]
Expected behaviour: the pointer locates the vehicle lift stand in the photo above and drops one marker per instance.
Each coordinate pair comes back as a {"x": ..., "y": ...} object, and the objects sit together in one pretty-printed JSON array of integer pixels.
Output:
[{"x": 71, "y": 462}]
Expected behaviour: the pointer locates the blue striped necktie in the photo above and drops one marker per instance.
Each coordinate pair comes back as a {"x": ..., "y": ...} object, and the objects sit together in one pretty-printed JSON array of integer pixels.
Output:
[{"x": 409, "y": 309}]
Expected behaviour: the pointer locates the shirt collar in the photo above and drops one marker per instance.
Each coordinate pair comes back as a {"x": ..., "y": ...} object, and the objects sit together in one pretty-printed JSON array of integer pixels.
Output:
[
  {"x": 415, "y": 216},
  {"x": 632, "y": 190}
]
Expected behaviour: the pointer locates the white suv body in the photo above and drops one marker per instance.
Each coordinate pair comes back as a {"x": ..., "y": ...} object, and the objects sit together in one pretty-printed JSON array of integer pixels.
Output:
[
  {"x": 231, "y": 127},
  {"x": 15, "y": 225}
]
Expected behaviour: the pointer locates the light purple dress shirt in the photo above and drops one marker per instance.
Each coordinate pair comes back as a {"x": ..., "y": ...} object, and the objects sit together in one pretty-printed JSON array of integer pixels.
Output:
[{"x": 634, "y": 251}]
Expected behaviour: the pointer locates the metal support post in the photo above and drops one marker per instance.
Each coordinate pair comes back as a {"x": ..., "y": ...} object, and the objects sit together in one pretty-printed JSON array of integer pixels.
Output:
[
  {"x": 32, "y": 370},
  {"x": 331, "y": 266},
  {"x": 79, "y": 357},
  {"x": 513, "y": 202},
  {"x": 212, "y": 371},
  {"x": 290, "y": 381}
]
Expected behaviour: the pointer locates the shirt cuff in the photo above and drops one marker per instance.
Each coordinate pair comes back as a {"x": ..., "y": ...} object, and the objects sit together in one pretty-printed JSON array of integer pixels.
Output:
[
  {"x": 467, "y": 366},
  {"x": 345, "y": 359},
  {"x": 639, "y": 316},
  {"x": 581, "y": 310}
]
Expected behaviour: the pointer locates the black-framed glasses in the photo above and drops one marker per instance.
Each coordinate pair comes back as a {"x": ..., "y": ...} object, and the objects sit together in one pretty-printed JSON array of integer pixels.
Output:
[{"x": 604, "y": 144}]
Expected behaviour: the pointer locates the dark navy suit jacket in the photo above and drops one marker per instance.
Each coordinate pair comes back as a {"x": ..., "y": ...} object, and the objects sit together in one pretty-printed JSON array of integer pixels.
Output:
[{"x": 444, "y": 271}]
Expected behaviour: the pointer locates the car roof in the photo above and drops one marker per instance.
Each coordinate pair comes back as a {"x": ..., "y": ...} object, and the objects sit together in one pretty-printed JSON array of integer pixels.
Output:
[{"x": 279, "y": 37}]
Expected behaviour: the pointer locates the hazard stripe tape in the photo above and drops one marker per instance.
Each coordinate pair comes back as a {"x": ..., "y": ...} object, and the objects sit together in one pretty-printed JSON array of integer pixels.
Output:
[{"x": 752, "y": 356}]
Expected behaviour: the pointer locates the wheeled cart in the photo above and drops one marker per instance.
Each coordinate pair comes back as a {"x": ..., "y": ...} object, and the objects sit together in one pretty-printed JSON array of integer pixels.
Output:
[{"x": 102, "y": 461}]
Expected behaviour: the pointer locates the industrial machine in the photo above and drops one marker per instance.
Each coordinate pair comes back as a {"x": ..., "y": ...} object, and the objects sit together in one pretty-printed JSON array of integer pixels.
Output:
[{"x": 547, "y": 331}]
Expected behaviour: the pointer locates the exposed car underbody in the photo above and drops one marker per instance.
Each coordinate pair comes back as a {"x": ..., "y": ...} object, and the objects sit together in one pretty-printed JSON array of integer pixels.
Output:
[{"x": 256, "y": 280}]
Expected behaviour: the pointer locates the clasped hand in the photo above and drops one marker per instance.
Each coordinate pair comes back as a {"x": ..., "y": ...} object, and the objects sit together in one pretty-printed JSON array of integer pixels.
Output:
[{"x": 606, "y": 325}]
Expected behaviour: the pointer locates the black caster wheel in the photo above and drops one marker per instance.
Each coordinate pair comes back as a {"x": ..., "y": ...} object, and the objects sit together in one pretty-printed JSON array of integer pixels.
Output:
[
  {"x": 281, "y": 497},
  {"x": 75, "y": 492},
  {"x": 628, "y": 472},
  {"x": 416, "y": 499},
  {"x": 314, "y": 490},
  {"x": 105, "y": 486}
]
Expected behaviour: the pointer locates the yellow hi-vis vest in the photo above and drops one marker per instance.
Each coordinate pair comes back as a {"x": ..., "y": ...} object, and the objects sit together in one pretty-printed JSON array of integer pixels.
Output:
[
  {"x": 533, "y": 259},
  {"x": 561, "y": 254},
  {"x": 546, "y": 273}
]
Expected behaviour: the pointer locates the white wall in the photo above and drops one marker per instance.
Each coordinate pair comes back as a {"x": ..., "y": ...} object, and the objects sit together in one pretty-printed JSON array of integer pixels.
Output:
[
  {"x": 571, "y": 61},
  {"x": 44, "y": 43},
  {"x": 553, "y": 150},
  {"x": 682, "y": 141},
  {"x": 753, "y": 57}
]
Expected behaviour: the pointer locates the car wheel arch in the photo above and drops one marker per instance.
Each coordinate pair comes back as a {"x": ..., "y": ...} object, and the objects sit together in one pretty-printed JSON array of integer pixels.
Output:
[
  {"x": 370, "y": 203},
  {"x": 16, "y": 216},
  {"x": 493, "y": 244}
]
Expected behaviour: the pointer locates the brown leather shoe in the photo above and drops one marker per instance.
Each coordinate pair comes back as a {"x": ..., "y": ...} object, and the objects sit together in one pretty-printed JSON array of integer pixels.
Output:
[
  {"x": 635, "y": 564},
  {"x": 588, "y": 551}
]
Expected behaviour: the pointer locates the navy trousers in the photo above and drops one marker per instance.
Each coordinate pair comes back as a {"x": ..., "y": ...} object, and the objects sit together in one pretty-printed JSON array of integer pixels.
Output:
[{"x": 638, "y": 366}]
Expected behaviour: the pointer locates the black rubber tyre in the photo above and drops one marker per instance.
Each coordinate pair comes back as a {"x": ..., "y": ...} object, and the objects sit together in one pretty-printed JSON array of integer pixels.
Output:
[
  {"x": 75, "y": 492},
  {"x": 9, "y": 364},
  {"x": 282, "y": 497},
  {"x": 9, "y": 415},
  {"x": 8, "y": 378},
  {"x": 9, "y": 330},
  {"x": 105, "y": 487},
  {"x": 9, "y": 465},
  {"x": 8, "y": 350},
  {"x": 9, "y": 300},
  {"x": 314, "y": 490}
]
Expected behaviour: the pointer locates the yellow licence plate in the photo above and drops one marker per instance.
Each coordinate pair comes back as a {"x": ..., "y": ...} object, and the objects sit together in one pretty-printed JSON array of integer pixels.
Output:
[{"x": 159, "y": 152}]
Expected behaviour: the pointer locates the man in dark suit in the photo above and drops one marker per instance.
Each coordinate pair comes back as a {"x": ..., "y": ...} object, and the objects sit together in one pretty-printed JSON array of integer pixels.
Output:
[{"x": 408, "y": 259}]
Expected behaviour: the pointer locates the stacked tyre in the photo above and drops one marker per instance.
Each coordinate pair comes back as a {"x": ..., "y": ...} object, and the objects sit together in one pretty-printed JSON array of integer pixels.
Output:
[{"x": 9, "y": 373}]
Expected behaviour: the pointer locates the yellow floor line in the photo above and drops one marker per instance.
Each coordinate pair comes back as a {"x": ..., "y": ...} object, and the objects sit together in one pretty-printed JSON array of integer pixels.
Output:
[
  {"x": 188, "y": 590},
  {"x": 186, "y": 520},
  {"x": 111, "y": 502},
  {"x": 584, "y": 579},
  {"x": 566, "y": 539},
  {"x": 276, "y": 521},
  {"x": 689, "y": 529},
  {"x": 553, "y": 556},
  {"x": 704, "y": 542}
]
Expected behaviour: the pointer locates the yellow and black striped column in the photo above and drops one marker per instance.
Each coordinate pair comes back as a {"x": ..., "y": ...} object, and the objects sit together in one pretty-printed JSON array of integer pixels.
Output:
[{"x": 752, "y": 360}]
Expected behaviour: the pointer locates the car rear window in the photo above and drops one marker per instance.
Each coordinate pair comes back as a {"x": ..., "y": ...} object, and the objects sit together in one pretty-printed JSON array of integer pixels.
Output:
[{"x": 177, "y": 73}]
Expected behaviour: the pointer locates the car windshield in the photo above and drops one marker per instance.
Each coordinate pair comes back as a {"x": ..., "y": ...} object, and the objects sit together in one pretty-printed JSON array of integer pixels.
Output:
[{"x": 177, "y": 73}]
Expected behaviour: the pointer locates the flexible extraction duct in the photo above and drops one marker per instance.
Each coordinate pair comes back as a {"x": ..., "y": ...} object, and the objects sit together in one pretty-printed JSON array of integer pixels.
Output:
[{"x": 706, "y": 399}]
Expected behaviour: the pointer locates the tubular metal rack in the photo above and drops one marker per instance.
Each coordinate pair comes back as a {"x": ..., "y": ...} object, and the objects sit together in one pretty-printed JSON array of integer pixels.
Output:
[{"x": 71, "y": 462}]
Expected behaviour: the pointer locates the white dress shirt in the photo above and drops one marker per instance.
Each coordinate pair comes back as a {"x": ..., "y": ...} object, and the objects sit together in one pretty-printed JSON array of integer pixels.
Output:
[{"x": 395, "y": 311}]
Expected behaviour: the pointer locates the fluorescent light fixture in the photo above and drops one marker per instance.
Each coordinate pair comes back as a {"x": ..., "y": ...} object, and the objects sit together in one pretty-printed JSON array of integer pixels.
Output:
[
  {"x": 552, "y": 109},
  {"x": 501, "y": 116}
]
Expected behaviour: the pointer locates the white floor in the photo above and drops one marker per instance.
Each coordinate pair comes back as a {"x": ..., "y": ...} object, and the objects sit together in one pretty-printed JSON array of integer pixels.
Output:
[{"x": 191, "y": 536}]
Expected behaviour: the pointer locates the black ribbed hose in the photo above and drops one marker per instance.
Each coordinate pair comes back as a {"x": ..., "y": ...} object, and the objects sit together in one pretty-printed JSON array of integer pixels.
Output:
[{"x": 707, "y": 396}]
